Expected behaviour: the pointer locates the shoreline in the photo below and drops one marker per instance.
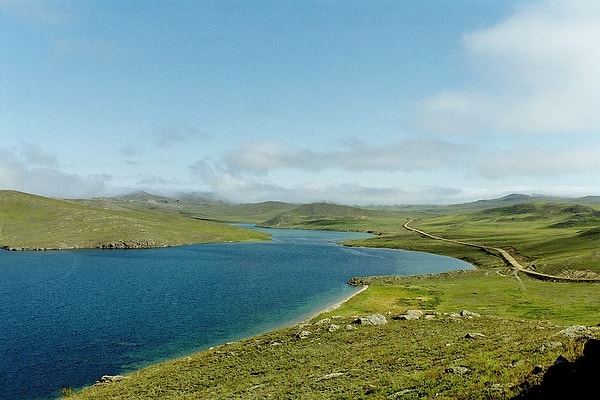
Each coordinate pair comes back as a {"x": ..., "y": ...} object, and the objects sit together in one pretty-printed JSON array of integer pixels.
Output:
[
  {"x": 298, "y": 322},
  {"x": 334, "y": 306}
]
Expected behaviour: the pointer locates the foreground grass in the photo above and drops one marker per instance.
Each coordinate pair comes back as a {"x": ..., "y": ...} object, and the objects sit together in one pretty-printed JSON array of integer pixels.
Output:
[
  {"x": 516, "y": 330},
  {"x": 29, "y": 222}
]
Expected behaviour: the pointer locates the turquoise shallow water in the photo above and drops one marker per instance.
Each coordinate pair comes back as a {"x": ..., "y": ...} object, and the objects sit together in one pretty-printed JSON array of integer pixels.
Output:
[{"x": 69, "y": 317}]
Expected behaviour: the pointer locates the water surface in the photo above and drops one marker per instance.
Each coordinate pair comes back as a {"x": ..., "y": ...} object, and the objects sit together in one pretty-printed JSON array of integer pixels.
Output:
[{"x": 69, "y": 317}]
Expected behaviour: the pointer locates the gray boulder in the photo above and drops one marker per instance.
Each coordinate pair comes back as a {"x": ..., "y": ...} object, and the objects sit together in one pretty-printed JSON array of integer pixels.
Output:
[
  {"x": 373, "y": 319},
  {"x": 469, "y": 314},
  {"x": 410, "y": 315}
]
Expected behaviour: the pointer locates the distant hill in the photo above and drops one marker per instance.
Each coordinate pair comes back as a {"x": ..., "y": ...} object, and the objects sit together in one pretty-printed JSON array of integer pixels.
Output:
[
  {"x": 207, "y": 206},
  {"x": 35, "y": 222},
  {"x": 203, "y": 206},
  {"x": 323, "y": 216},
  {"x": 516, "y": 198},
  {"x": 378, "y": 219}
]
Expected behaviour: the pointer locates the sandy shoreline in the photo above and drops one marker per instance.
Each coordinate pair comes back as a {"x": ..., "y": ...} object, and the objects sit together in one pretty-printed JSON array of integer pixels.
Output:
[{"x": 336, "y": 305}]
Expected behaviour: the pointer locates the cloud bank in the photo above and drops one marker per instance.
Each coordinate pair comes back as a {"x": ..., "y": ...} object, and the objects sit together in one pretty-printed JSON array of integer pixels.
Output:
[
  {"x": 403, "y": 155},
  {"x": 34, "y": 170},
  {"x": 539, "y": 74}
]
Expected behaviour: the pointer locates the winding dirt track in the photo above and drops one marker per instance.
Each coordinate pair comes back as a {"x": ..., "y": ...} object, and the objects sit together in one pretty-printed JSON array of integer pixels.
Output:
[{"x": 505, "y": 255}]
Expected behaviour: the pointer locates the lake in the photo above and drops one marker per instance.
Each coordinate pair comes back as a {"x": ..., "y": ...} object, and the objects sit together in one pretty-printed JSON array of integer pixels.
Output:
[{"x": 68, "y": 317}]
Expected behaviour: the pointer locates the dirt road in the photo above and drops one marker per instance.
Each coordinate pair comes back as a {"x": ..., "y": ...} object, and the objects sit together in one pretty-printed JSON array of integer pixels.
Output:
[{"x": 505, "y": 255}]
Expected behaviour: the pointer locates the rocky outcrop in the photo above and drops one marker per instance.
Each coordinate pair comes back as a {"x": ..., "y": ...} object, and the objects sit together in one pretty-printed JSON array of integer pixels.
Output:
[
  {"x": 373, "y": 319},
  {"x": 303, "y": 334},
  {"x": 107, "y": 379},
  {"x": 141, "y": 244},
  {"x": 579, "y": 332},
  {"x": 410, "y": 315}
]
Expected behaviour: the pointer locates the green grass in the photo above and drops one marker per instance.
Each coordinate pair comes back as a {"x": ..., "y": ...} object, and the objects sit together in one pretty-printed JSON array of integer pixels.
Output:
[
  {"x": 402, "y": 359},
  {"x": 405, "y": 359},
  {"x": 487, "y": 292},
  {"x": 554, "y": 237},
  {"x": 34, "y": 222}
]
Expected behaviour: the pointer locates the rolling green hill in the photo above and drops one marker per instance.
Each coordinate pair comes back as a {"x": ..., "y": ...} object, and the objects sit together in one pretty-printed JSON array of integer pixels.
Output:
[
  {"x": 326, "y": 216},
  {"x": 515, "y": 334},
  {"x": 193, "y": 205},
  {"x": 29, "y": 222},
  {"x": 552, "y": 237}
]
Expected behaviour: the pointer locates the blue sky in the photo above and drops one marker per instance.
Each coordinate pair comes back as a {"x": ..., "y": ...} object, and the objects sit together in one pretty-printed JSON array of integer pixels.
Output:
[{"x": 352, "y": 102}]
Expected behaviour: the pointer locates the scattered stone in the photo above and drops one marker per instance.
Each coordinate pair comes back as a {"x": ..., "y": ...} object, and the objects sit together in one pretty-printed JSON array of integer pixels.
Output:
[
  {"x": 349, "y": 327},
  {"x": 498, "y": 387},
  {"x": 515, "y": 364},
  {"x": 455, "y": 315},
  {"x": 550, "y": 345},
  {"x": 429, "y": 317},
  {"x": 331, "y": 376},
  {"x": 579, "y": 332},
  {"x": 410, "y": 315},
  {"x": 107, "y": 379},
  {"x": 400, "y": 393},
  {"x": 474, "y": 335},
  {"x": 458, "y": 370},
  {"x": 333, "y": 328},
  {"x": 373, "y": 319},
  {"x": 303, "y": 334},
  {"x": 323, "y": 321},
  {"x": 469, "y": 314}
]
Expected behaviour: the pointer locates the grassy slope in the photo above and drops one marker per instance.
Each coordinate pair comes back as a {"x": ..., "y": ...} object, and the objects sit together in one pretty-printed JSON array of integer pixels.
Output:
[
  {"x": 406, "y": 359},
  {"x": 34, "y": 222},
  {"x": 336, "y": 217},
  {"x": 557, "y": 238},
  {"x": 409, "y": 359},
  {"x": 193, "y": 206}
]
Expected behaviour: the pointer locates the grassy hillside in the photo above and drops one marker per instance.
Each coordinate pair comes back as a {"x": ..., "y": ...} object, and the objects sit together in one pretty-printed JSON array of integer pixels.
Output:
[
  {"x": 34, "y": 222},
  {"x": 192, "y": 205},
  {"x": 335, "y": 217},
  {"x": 555, "y": 238},
  {"x": 503, "y": 353},
  {"x": 445, "y": 355}
]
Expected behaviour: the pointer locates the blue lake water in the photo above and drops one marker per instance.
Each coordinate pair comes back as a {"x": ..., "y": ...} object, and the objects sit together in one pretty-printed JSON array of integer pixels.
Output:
[{"x": 69, "y": 317}]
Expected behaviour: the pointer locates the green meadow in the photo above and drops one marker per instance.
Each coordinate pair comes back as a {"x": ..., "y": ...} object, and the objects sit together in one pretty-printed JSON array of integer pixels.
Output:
[
  {"x": 448, "y": 356},
  {"x": 554, "y": 238},
  {"x": 29, "y": 222},
  {"x": 502, "y": 348}
]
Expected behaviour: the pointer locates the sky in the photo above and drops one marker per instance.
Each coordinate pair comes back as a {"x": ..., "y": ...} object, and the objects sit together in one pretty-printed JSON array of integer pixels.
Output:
[{"x": 341, "y": 101}]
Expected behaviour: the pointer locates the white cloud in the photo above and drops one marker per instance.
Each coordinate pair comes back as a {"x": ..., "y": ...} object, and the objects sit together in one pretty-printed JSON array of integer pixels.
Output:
[
  {"x": 36, "y": 155},
  {"x": 540, "y": 74},
  {"x": 249, "y": 189},
  {"x": 539, "y": 162},
  {"x": 36, "y": 171},
  {"x": 403, "y": 155}
]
